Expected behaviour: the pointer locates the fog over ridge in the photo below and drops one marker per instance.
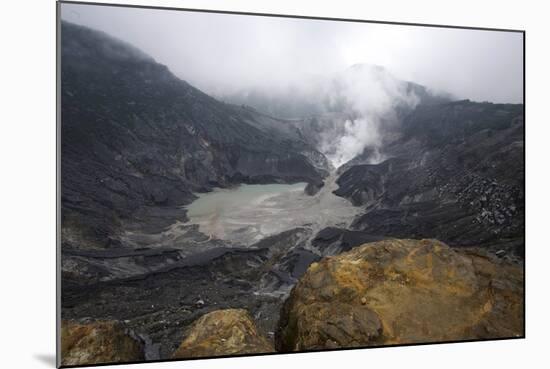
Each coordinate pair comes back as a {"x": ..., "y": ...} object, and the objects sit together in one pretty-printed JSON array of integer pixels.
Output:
[
  {"x": 227, "y": 53},
  {"x": 314, "y": 66}
]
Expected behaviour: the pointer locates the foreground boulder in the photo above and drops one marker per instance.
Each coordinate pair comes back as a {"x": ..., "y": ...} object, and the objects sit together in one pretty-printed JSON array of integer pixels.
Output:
[
  {"x": 223, "y": 332},
  {"x": 402, "y": 291},
  {"x": 98, "y": 342}
]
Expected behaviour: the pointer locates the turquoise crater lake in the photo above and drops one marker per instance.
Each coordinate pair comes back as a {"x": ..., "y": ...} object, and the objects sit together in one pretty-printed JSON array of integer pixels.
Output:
[{"x": 248, "y": 213}]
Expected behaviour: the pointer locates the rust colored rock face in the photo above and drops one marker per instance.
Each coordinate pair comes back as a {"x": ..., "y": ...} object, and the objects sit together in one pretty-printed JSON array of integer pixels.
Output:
[
  {"x": 402, "y": 291},
  {"x": 222, "y": 332},
  {"x": 98, "y": 342}
]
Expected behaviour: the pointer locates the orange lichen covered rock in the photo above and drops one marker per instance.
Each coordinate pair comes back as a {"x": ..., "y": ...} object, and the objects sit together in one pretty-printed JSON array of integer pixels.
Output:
[
  {"x": 402, "y": 291},
  {"x": 98, "y": 342},
  {"x": 222, "y": 332}
]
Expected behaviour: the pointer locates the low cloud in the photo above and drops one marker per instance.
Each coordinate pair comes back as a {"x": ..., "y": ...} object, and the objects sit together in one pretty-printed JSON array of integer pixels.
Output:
[{"x": 220, "y": 52}]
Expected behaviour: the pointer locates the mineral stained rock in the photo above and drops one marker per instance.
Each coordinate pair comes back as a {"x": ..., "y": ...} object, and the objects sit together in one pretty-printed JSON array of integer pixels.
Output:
[
  {"x": 402, "y": 291},
  {"x": 223, "y": 332},
  {"x": 98, "y": 342}
]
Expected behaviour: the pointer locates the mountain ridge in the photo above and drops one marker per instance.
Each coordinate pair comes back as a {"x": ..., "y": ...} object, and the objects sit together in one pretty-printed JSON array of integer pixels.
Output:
[
  {"x": 299, "y": 100},
  {"x": 136, "y": 136}
]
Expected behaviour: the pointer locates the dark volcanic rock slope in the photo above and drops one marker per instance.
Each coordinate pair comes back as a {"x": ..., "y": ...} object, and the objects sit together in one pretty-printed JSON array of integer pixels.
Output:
[
  {"x": 455, "y": 174},
  {"x": 136, "y": 143},
  {"x": 156, "y": 305},
  {"x": 136, "y": 137}
]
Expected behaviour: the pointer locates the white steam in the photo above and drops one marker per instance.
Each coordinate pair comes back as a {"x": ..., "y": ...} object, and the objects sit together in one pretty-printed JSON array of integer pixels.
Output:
[
  {"x": 372, "y": 94},
  {"x": 358, "y": 135}
]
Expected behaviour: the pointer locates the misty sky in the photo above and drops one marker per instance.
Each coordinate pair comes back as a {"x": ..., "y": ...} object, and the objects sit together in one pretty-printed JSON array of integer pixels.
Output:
[{"x": 218, "y": 52}]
